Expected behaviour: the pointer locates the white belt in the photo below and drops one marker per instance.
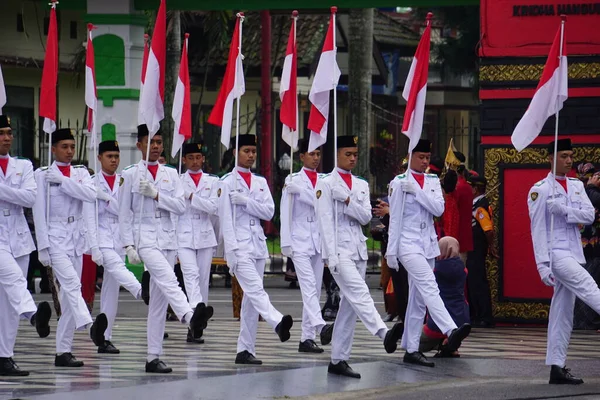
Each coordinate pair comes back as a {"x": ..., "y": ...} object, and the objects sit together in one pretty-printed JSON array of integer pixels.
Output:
[
  {"x": 7, "y": 212},
  {"x": 252, "y": 222},
  {"x": 310, "y": 219},
  {"x": 68, "y": 220},
  {"x": 156, "y": 214},
  {"x": 113, "y": 220},
  {"x": 196, "y": 216}
]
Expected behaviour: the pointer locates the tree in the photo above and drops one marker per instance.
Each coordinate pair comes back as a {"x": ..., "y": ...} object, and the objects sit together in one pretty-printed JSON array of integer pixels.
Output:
[{"x": 360, "y": 56}]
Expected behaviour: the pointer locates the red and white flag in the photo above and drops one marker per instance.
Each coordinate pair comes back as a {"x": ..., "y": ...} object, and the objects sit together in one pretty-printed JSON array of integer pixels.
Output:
[
  {"x": 415, "y": 89},
  {"x": 50, "y": 75},
  {"x": 288, "y": 92},
  {"x": 325, "y": 80},
  {"x": 551, "y": 93},
  {"x": 143, "y": 78},
  {"x": 153, "y": 96},
  {"x": 2, "y": 91},
  {"x": 233, "y": 86},
  {"x": 91, "y": 98},
  {"x": 182, "y": 108}
]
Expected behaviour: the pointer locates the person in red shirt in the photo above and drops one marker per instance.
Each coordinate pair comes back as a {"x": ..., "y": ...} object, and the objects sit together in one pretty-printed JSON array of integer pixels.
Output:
[{"x": 464, "y": 198}]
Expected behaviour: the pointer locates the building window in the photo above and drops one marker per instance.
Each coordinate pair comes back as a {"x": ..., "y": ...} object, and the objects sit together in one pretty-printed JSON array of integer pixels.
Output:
[
  {"x": 20, "y": 25},
  {"x": 73, "y": 30}
]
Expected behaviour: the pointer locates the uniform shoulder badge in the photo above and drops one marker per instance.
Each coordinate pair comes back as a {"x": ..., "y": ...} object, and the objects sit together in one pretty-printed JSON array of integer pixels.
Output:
[
  {"x": 121, "y": 181},
  {"x": 401, "y": 176},
  {"x": 318, "y": 194},
  {"x": 431, "y": 175},
  {"x": 225, "y": 176},
  {"x": 22, "y": 158},
  {"x": 129, "y": 167},
  {"x": 540, "y": 183},
  {"x": 169, "y": 165},
  {"x": 573, "y": 179},
  {"x": 534, "y": 196},
  {"x": 43, "y": 168},
  {"x": 361, "y": 178},
  {"x": 79, "y": 166},
  {"x": 260, "y": 176}
]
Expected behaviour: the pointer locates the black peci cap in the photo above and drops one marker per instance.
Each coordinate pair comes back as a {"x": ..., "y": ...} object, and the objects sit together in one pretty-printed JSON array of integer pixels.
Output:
[
  {"x": 62, "y": 134},
  {"x": 423, "y": 146},
  {"x": 108, "y": 145},
  {"x": 347, "y": 141},
  {"x": 4, "y": 121},
  {"x": 561, "y": 145},
  {"x": 191, "y": 148}
]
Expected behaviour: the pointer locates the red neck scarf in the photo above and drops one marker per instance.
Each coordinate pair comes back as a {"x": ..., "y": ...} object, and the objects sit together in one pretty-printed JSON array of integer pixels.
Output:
[
  {"x": 66, "y": 170},
  {"x": 312, "y": 175},
  {"x": 420, "y": 178},
  {"x": 247, "y": 177},
  {"x": 110, "y": 179},
  {"x": 563, "y": 183},
  {"x": 4, "y": 164},
  {"x": 196, "y": 176},
  {"x": 153, "y": 170},
  {"x": 346, "y": 177}
]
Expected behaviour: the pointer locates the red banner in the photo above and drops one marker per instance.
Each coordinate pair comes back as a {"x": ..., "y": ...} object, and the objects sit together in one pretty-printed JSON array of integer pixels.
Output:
[{"x": 524, "y": 28}]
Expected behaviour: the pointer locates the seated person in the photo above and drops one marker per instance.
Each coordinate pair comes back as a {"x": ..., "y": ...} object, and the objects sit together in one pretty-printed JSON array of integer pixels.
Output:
[{"x": 451, "y": 275}]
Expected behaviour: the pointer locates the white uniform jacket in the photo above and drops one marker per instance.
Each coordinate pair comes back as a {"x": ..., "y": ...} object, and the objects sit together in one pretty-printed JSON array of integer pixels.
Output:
[
  {"x": 245, "y": 234},
  {"x": 66, "y": 224},
  {"x": 158, "y": 225},
  {"x": 195, "y": 228},
  {"x": 107, "y": 235},
  {"x": 301, "y": 233},
  {"x": 413, "y": 231},
  {"x": 350, "y": 218},
  {"x": 567, "y": 238},
  {"x": 17, "y": 190}
]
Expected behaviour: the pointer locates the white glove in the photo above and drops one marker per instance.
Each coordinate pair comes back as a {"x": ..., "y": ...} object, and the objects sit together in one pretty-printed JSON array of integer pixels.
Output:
[
  {"x": 392, "y": 262},
  {"x": 340, "y": 194},
  {"x": 232, "y": 261},
  {"x": 44, "y": 257},
  {"x": 132, "y": 255},
  {"x": 147, "y": 189},
  {"x": 97, "y": 257},
  {"x": 293, "y": 187},
  {"x": 555, "y": 207},
  {"x": 287, "y": 251},
  {"x": 102, "y": 195},
  {"x": 239, "y": 199},
  {"x": 546, "y": 274},
  {"x": 332, "y": 264},
  {"x": 408, "y": 187},
  {"x": 54, "y": 176},
  {"x": 188, "y": 194}
]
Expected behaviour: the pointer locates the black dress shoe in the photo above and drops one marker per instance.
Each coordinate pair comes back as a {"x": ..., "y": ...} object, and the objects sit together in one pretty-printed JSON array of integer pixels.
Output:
[
  {"x": 108, "y": 348},
  {"x": 41, "y": 319},
  {"x": 417, "y": 358},
  {"x": 562, "y": 376},
  {"x": 245, "y": 357},
  {"x": 67, "y": 360},
  {"x": 157, "y": 366},
  {"x": 457, "y": 336},
  {"x": 390, "y": 342},
  {"x": 165, "y": 335},
  {"x": 9, "y": 368},
  {"x": 283, "y": 328},
  {"x": 199, "y": 321},
  {"x": 193, "y": 339},
  {"x": 326, "y": 334},
  {"x": 342, "y": 368},
  {"x": 146, "y": 287},
  {"x": 98, "y": 328},
  {"x": 309, "y": 346}
]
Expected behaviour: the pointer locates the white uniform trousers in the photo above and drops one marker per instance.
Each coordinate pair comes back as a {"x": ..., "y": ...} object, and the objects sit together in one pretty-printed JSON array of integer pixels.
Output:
[
  {"x": 164, "y": 290},
  {"x": 309, "y": 270},
  {"x": 423, "y": 296},
  {"x": 116, "y": 275},
  {"x": 571, "y": 280},
  {"x": 249, "y": 273},
  {"x": 15, "y": 300},
  {"x": 75, "y": 314},
  {"x": 355, "y": 300},
  {"x": 195, "y": 266}
]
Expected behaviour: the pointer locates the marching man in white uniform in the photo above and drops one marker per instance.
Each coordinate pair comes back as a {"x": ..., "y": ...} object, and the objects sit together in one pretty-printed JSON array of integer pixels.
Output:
[
  {"x": 348, "y": 196},
  {"x": 107, "y": 249},
  {"x": 413, "y": 241},
  {"x": 62, "y": 239},
  {"x": 17, "y": 190},
  {"x": 149, "y": 193},
  {"x": 245, "y": 200},
  {"x": 195, "y": 232},
  {"x": 559, "y": 254},
  {"x": 300, "y": 240}
]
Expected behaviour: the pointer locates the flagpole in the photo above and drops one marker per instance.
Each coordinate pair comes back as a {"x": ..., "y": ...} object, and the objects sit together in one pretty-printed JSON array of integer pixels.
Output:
[
  {"x": 237, "y": 117},
  {"x": 335, "y": 145},
  {"x": 563, "y": 18},
  {"x": 53, "y": 8},
  {"x": 410, "y": 151},
  {"x": 291, "y": 205},
  {"x": 93, "y": 132}
]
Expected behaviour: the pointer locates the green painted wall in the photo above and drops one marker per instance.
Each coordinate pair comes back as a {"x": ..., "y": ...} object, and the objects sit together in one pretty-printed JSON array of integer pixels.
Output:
[
  {"x": 110, "y": 60},
  {"x": 109, "y": 132}
]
